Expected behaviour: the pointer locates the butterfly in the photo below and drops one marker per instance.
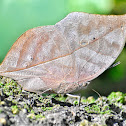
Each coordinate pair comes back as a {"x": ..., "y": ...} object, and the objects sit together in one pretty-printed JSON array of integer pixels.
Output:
[{"x": 64, "y": 57}]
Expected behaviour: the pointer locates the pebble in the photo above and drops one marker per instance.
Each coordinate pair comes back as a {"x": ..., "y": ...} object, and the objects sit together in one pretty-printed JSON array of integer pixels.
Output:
[{"x": 3, "y": 121}]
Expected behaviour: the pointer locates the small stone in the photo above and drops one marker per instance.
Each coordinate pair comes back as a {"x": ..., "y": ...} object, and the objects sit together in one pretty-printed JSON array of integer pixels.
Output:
[
  {"x": 2, "y": 103},
  {"x": 24, "y": 111},
  {"x": 31, "y": 115},
  {"x": 3, "y": 121},
  {"x": 84, "y": 123}
]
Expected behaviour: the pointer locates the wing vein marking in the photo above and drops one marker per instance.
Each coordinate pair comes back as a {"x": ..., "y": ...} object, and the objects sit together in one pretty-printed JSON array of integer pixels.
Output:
[
  {"x": 70, "y": 71},
  {"x": 60, "y": 56}
]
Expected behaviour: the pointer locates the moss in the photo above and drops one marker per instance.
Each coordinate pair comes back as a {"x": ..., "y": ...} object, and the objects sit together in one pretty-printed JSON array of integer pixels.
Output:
[
  {"x": 15, "y": 109},
  {"x": 26, "y": 106},
  {"x": 53, "y": 95},
  {"x": 105, "y": 110},
  {"x": 117, "y": 97},
  {"x": 29, "y": 109},
  {"x": 10, "y": 87},
  {"x": 75, "y": 102},
  {"x": 60, "y": 97},
  {"x": 93, "y": 109},
  {"x": 39, "y": 116},
  {"x": 98, "y": 107},
  {"x": 40, "y": 99},
  {"x": 88, "y": 100},
  {"x": 32, "y": 111},
  {"x": 1, "y": 85},
  {"x": 47, "y": 108},
  {"x": 14, "y": 102}
]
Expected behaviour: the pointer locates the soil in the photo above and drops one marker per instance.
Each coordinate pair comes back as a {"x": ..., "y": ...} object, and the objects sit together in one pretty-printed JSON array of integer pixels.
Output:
[{"x": 22, "y": 108}]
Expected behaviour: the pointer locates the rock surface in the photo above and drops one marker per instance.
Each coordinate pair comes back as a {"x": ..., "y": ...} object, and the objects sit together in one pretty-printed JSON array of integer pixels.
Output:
[{"x": 21, "y": 108}]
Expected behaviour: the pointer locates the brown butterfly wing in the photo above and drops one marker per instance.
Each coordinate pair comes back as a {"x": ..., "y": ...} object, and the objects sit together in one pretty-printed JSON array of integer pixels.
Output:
[
  {"x": 32, "y": 60},
  {"x": 63, "y": 57},
  {"x": 96, "y": 40}
]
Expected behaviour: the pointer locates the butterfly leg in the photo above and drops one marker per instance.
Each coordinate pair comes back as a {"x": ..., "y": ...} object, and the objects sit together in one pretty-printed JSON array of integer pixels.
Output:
[
  {"x": 79, "y": 96},
  {"x": 49, "y": 89},
  {"x": 75, "y": 96}
]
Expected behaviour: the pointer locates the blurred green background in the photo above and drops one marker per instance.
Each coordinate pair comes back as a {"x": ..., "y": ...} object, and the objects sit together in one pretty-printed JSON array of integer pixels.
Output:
[{"x": 17, "y": 16}]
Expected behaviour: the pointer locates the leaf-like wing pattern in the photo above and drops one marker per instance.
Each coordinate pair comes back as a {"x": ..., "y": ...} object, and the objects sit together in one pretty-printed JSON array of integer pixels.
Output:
[{"x": 61, "y": 58}]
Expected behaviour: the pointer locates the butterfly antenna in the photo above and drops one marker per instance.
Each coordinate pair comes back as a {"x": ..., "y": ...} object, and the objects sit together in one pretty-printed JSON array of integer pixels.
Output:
[
  {"x": 97, "y": 93},
  {"x": 114, "y": 65}
]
